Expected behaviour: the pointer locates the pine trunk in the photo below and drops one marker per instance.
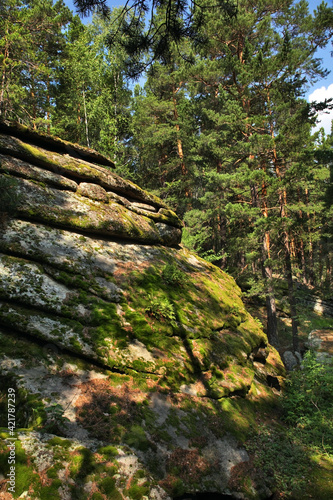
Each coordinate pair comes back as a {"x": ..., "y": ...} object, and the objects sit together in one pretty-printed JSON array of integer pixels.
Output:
[
  {"x": 85, "y": 118},
  {"x": 3, "y": 78},
  {"x": 303, "y": 263},
  {"x": 267, "y": 273},
  {"x": 291, "y": 293},
  {"x": 288, "y": 264},
  {"x": 310, "y": 273},
  {"x": 179, "y": 142},
  {"x": 48, "y": 117}
]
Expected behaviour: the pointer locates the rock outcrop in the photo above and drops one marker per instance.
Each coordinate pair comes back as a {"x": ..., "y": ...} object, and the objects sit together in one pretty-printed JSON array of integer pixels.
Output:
[
  {"x": 138, "y": 372},
  {"x": 321, "y": 342}
]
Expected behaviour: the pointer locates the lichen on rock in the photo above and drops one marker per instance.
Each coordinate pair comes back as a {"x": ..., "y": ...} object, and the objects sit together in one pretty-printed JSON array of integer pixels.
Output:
[{"x": 135, "y": 362}]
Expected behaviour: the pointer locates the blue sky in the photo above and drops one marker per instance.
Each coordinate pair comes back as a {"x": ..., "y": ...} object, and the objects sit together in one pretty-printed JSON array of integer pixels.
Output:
[
  {"x": 317, "y": 92},
  {"x": 324, "y": 87}
]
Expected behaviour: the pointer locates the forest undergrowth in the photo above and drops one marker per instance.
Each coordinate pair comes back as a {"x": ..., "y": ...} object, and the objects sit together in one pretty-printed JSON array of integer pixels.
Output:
[{"x": 294, "y": 448}]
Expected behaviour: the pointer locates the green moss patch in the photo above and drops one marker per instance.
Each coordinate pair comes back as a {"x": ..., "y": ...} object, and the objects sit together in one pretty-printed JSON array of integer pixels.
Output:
[{"x": 29, "y": 409}]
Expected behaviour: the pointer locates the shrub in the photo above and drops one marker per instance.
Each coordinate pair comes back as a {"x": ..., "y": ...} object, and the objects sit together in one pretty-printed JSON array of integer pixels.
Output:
[
  {"x": 55, "y": 420},
  {"x": 308, "y": 402},
  {"x": 280, "y": 459},
  {"x": 161, "y": 308}
]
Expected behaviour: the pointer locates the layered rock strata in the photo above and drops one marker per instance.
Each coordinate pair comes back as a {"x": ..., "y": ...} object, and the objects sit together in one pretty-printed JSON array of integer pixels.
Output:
[
  {"x": 137, "y": 370},
  {"x": 63, "y": 190}
]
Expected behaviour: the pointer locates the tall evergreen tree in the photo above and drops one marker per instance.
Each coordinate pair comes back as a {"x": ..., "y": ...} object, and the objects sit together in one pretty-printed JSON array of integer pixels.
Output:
[
  {"x": 163, "y": 133},
  {"x": 92, "y": 103},
  {"x": 169, "y": 23},
  {"x": 15, "y": 44},
  {"x": 31, "y": 44},
  {"x": 254, "y": 124}
]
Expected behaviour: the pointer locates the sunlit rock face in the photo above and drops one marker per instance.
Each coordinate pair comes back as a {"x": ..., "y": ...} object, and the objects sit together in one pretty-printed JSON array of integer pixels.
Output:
[{"x": 135, "y": 364}]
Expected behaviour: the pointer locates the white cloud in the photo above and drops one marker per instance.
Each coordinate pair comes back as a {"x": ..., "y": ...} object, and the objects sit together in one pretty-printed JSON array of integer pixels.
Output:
[{"x": 325, "y": 118}]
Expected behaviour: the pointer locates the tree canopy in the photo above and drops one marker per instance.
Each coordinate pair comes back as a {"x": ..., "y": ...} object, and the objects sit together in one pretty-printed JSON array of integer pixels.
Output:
[
  {"x": 153, "y": 26},
  {"x": 226, "y": 140}
]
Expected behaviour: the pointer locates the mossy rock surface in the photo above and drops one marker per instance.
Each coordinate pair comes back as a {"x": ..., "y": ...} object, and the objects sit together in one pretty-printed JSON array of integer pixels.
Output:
[
  {"x": 122, "y": 357},
  {"x": 55, "y": 143},
  {"x": 135, "y": 360},
  {"x": 74, "y": 168},
  {"x": 59, "y": 185}
]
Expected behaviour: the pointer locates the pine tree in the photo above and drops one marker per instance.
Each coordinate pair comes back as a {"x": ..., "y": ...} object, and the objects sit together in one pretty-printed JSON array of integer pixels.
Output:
[
  {"x": 163, "y": 133},
  {"x": 169, "y": 23},
  {"x": 254, "y": 124}
]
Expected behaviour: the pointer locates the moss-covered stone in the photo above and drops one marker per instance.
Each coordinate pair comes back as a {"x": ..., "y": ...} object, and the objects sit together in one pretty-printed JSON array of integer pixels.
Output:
[
  {"x": 71, "y": 211},
  {"x": 163, "y": 216},
  {"x": 48, "y": 179},
  {"x": 19, "y": 168},
  {"x": 93, "y": 191},
  {"x": 138, "y": 361},
  {"x": 53, "y": 143},
  {"x": 78, "y": 170}
]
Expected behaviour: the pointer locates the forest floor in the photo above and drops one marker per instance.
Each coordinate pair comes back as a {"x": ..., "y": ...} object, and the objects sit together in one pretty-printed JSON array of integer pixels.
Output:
[
  {"x": 298, "y": 442},
  {"x": 308, "y": 319}
]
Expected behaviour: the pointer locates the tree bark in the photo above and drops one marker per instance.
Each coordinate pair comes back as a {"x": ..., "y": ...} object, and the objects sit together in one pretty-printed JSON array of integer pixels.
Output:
[
  {"x": 291, "y": 293},
  {"x": 288, "y": 263},
  {"x": 179, "y": 142},
  {"x": 267, "y": 273},
  {"x": 85, "y": 118},
  {"x": 4, "y": 75},
  {"x": 48, "y": 116}
]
